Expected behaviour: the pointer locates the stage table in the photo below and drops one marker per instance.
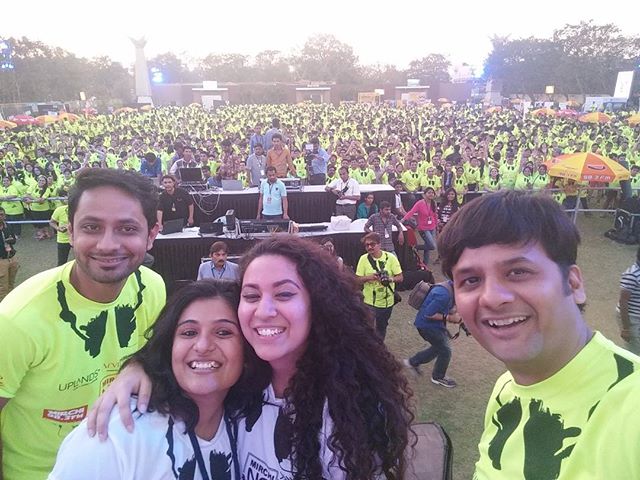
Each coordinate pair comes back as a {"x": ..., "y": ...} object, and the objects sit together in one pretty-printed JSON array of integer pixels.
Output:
[
  {"x": 312, "y": 204},
  {"x": 178, "y": 255}
]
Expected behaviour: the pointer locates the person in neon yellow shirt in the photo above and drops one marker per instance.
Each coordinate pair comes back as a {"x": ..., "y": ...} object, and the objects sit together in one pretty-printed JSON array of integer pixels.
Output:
[
  {"x": 363, "y": 174},
  {"x": 524, "y": 180},
  {"x": 567, "y": 406},
  {"x": 541, "y": 178},
  {"x": 492, "y": 183},
  {"x": 9, "y": 195},
  {"x": 472, "y": 174},
  {"x": 432, "y": 180},
  {"x": 65, "y": 332},
  {"x": 60, "y": 223},
  {"x": 411, "y": 178}
]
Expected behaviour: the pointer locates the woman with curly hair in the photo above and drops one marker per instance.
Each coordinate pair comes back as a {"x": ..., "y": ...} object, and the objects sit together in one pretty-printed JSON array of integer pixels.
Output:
[
  {"x": 337, "y": 403},
  {"x": 204, "y": 375}
]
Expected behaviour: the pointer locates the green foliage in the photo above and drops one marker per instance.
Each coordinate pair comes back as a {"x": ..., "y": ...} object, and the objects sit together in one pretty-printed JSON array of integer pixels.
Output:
[
  {"x": 325, "y": 58},
  {"x": 583, "y": 58},
  {"x": 45, "y": 73},
  {"x": 431, "y": 69}
]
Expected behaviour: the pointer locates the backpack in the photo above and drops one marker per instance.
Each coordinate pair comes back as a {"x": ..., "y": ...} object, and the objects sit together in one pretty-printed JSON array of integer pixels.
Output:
[{"x": 421, "y": 290}]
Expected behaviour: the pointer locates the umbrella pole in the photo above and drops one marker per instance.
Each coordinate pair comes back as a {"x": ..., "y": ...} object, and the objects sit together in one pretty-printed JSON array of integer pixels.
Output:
[{"x": 575, "y": 210}]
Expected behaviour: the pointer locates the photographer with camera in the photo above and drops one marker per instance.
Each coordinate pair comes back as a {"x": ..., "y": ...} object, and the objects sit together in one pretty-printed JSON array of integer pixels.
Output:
[
  {"x": 438, "y": 308},
  {"x": 348, "y": 192},
  {"x": 317, "y": 159},
  {"x": 8, "y": 263},
  {"x": 378, "y": 272}
]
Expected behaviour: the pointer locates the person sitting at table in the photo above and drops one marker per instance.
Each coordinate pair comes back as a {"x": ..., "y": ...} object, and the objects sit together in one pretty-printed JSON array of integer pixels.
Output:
[
  {"x": 368, "y": 207},
  {"x": 174, "y": 202},
  {"x": 219, "y": 267},
  {"x": 272, "y": 202}
]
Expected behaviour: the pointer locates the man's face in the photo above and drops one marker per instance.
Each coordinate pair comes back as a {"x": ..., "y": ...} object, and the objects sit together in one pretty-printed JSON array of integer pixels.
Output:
[
  {"x": 218, "y": 258},
  {"x": 344, "y": 174},
  {"x": 414, "y": 166},
  {"x": 168, "y": 184},
  {"x": 516, "y": 304},
  {"x": 271, "y": 176},
  {"x": 362, "y": 163},
  {"x": 187, "y": 154},
  {"x": 109, "y": 235},
  {"x": 386, "y": 212},
  {"x": 258, "y": 150}
]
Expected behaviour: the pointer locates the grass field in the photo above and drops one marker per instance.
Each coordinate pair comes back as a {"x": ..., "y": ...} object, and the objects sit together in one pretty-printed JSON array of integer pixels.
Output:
[{"x": 460, "y": 410}]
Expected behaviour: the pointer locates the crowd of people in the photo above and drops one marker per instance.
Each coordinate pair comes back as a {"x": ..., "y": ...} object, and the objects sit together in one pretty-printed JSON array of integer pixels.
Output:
[{"x": 284, "y": 374}]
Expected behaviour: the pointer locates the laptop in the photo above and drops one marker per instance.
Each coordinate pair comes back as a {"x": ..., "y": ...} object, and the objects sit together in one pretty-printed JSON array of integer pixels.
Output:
[
  {"x": 232, "y": 185},
  {"x": 172, "y": 226},
  {"x": 211, "y": 228},
  {"x": 190, "y": 176}
]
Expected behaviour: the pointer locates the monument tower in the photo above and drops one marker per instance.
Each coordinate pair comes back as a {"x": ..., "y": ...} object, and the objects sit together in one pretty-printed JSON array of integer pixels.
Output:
[{"x": 141, "y": 73}]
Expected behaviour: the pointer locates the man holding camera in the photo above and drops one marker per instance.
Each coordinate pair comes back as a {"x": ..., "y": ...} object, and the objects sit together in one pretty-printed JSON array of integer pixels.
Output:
[
  {"x": 8, "y": 263},
  {"x": 317, "y": 159},
  {"x": 348, "y": 192},
  {"x": 378, "y": 272},
  {"x": 438, "y": 308}
]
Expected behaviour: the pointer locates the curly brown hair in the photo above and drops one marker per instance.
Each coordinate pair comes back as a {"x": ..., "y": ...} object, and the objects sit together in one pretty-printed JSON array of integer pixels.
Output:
[{"x": 345, "y": 365}]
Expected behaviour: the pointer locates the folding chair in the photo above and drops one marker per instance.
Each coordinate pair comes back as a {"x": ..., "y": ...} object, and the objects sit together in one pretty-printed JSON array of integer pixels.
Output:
[{"x": 431, "y": 457}]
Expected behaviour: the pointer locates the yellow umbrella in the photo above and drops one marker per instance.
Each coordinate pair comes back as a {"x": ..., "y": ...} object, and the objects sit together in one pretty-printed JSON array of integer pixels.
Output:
[
  {"x": 572, "y": 103},
  {"x": 443, "y": 100},
  {"x": 146, "y": 108},
  {"x": 7, "y": 124},
  {"x": 634, "y": 119},
  {"x": 125, "y": 110},
  {"x": 544, "y": 111},
  {"x": 195, "y": 104},
  {"x": 494, "y": 109},
  {"x": 587, "y": 167},
  {"x": 595, "y": 117},
  {"x": 43, "y": 119},
  {"x": 447, "y": 105},
  {"x": 72, "y": 117}
]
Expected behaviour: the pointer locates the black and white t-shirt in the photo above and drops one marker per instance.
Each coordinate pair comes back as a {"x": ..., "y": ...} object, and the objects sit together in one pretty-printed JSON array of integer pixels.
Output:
[
  {"x": 159, "y": 449},
  {"x": 264, "y": 443},
  {"x": 630, "y": 281}
]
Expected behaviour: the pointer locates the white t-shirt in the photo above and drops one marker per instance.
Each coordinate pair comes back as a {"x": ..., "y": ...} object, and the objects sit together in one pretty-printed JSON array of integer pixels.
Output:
[
  {"x": 264, "y": 450},
  {"x": 352, "y": 188},
  {"x": 159, "y": 449}
]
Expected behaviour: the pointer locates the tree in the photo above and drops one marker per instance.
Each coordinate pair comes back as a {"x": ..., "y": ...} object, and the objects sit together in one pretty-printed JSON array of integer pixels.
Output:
[
  {"x": 524, "y": 65},
  {"x": 593, "y": 55},
  {"x": 173, "y": 68},
  {"x": 225, "y": 67},
  {"x": 325, "y": 58},
  {"x": 383, "y": 74},
  {"x": 431, "y": 69},
  {"x": 272, "y": 66}
]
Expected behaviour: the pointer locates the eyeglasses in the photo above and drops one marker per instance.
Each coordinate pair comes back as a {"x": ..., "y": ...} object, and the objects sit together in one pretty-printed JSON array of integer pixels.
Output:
[{"x": 370, "y": 244}]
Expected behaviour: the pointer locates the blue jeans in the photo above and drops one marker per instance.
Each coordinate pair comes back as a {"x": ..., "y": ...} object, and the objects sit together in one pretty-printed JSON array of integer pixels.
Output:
[
  {"x": 439, "y": 349},
  {"x": 429, "y": 243},
  {"x": 382, "y": 316}
]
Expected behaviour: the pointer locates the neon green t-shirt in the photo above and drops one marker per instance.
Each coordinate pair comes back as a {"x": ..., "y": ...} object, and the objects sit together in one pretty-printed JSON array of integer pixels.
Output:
[
  {"x": 61, "y": 216},
  {"x": 581, "y": 423},
  {"x": 376, "y": 294},
  {"x": 58, "y": 352},
  {"x": 411, "y": 180},
  {"x": 364, "y": 177}
]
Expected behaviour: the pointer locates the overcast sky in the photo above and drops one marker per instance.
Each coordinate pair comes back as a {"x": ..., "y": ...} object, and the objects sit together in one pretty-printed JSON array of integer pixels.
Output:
[{"x": 414, "y": 28}]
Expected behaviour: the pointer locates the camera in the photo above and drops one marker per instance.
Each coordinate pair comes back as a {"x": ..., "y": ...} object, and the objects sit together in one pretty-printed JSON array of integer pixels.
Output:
[{"x": 384, "y": 278}]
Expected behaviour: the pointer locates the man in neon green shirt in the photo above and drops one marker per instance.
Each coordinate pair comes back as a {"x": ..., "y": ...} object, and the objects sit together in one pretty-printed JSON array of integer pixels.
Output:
[
  {"x": 567, "y": 407},
  {"x": 65, "y": 332}
]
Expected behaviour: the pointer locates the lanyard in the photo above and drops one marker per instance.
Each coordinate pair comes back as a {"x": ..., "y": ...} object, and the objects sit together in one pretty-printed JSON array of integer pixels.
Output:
[
  {"x": 232, "y": 433},
  {"x": 213, "y": 270}
]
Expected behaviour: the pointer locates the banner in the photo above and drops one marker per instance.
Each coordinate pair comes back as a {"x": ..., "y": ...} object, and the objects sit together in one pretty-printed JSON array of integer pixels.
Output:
[{"x": 623, "y": 85}]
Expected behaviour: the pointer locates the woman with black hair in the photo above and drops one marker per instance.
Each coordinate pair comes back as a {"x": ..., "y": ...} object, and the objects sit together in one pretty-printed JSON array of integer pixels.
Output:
[
  {"x": 37, "y": 199},
  {"x": 427, "y": 219},
  {"x": 337, "y": 403},
  {"x": 195, "y": 357}
]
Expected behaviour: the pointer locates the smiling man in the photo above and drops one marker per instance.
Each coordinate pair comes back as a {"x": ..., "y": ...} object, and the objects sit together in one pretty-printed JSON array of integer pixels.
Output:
[
  {"x": 65, "y": 331},
  {"x": 567, "y": 406}
]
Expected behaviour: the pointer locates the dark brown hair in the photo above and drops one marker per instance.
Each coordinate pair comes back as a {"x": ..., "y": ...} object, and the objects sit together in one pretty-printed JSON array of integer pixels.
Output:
[{"x": 346, "y": 366}]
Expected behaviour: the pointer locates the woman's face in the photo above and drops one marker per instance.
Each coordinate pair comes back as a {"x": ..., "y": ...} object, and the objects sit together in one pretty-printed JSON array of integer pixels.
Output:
[
  {"x": 275, "y": 310},
  {"x": 451, "y": 196},
  {"x": 429, "y": 194},
  {"x": 368, "y": 199},
  {"x": 207, "y": 354}
]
